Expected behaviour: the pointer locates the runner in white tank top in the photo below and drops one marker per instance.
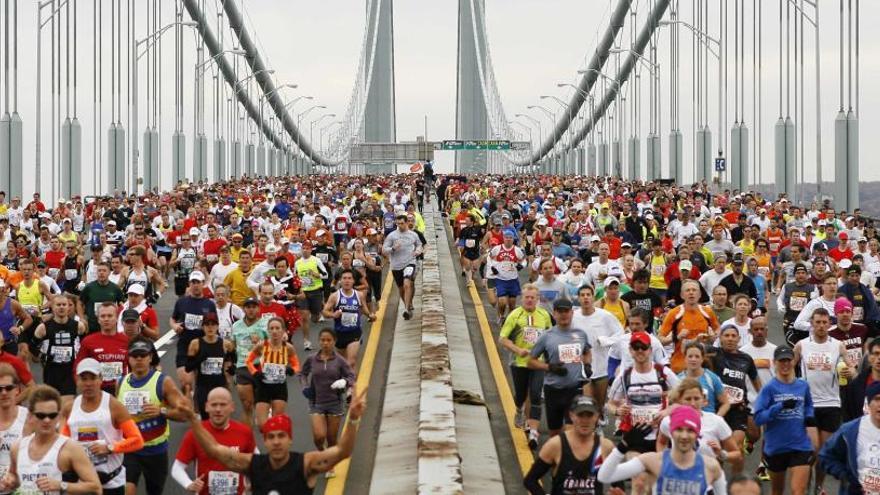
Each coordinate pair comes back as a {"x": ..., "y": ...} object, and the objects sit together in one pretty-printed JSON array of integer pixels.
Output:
[
  {"x": 96, "y": 426},
  {"x": 12, "y": 418},
  {"x": 39, "y": 459}
]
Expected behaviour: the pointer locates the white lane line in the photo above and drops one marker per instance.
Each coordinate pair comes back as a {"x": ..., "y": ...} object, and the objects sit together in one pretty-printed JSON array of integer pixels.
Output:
[{"x": 163, "y": 341}]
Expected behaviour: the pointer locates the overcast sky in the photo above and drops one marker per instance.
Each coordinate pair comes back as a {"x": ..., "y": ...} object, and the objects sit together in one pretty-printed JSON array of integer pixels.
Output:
[{"x": 535, "y": 44}]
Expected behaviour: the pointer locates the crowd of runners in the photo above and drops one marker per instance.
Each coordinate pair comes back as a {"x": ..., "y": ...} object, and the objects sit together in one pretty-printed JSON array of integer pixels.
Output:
[
  {"x": 247, "y": 264},
  {"x": 659, "y": 334}
]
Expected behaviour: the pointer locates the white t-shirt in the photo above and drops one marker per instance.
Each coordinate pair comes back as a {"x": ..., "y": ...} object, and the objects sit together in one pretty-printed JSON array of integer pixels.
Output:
[
  {"x": 763, "y": 358},
  {"x": 712, "y": 427},
  {"x": 868, "y": 462},
  {"x": 645, "y": 394},
  {"x": 219, "y": 272},
  {"x": 597, "y": 267},
  {"x": 711, "y": 279},
  {"x": 599, "y": 324},
  {"x": 745, "y": 338}
]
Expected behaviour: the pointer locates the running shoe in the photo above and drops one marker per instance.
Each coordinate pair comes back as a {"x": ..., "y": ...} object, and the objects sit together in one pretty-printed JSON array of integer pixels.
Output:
[
  {"x": 519, "y": 420},
  {"x": 761, "y": 473},
  {"x": 307, "y": 345},
  {"x": 533, "y": 439}
]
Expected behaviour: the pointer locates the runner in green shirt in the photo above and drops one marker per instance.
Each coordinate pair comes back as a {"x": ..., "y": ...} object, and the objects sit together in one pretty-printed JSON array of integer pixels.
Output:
[
  {"x": 245, "y": 334},
  {"x": 520, "y": 331}
]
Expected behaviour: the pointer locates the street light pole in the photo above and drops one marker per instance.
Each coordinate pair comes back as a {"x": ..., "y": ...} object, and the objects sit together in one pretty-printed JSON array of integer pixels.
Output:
[{"x": 315, "y": 121}]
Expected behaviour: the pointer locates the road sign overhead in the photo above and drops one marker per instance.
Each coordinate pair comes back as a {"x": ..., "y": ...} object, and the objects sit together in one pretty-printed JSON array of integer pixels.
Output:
[{"x": 475, "y": 144}]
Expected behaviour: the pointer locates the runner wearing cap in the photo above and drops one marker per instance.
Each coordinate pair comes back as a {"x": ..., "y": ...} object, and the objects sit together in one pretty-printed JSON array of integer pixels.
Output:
[
  {"x": 246, "y": 333},
  {"x": 212, "y": 476},
  {"x": 56, "y": 454},
  {"x": 679, "y": 470},
  {"x": 137, "y": 304},
  {"x": 793, "y": 298},
  {"x": 865, "y": 308},
  {"x": 137, "y": 272},
  {"x": 311, "y": 272},
  {"x": 271, "y": 362},
  {"x": 151, "y": 398},
  {"x": 564, "y": 353},
  {"x": 507, "y": 260},
  {"x": 60, "y": 336},
  {"x": 258, "y": 274},
  {"x": 784, "y": 408},
  {"x": 101, "y": 425},
  {"x": 186, "y": 321},
  {"x": 280, "y": 469},
  {"x": 205, "y": 357},
  {"x": 574, "y": 456},
  {"x": 107, "y": 346},
  {"x": 468, "y": 244}
]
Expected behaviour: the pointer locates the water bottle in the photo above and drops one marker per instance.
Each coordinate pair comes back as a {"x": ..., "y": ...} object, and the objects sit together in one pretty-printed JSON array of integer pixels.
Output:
[{"x": 841, "y": 378}]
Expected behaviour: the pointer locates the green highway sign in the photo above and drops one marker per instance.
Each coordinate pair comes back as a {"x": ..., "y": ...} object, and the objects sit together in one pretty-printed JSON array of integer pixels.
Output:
[{"x": 481, "y": 144}]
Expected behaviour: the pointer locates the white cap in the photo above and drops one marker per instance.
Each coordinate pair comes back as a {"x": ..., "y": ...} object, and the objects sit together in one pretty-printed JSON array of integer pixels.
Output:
[
  {"x": 88, "y": 365},
  {"x": 197, "y": 275},
  {"x": 136, "y": 289},
  {"x": 595, "y": 238},
  {"x": 111, "y": 222},
  {"x": 685, "y": 265},
  {"x": 822, "y": 223},
  {"x": 542, "y": 221},
  {"x": 195, "y": 231},
  {"x": 649, "y": 217},
  {"x": 320, "y": 233},
  {"x": 271, "y": 249},
  {"x": 611, "y": 280},
  {"x": 845, "y": 263}
]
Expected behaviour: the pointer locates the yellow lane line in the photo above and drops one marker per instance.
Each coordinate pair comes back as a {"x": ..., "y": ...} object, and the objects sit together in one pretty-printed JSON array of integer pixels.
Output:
[
  {"x": 523, "y": 453},
  {"x": 336, "y": 485}
]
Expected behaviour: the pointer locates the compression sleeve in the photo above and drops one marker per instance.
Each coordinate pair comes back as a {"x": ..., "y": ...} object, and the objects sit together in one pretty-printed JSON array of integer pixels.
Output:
[
  {"x": 532, "y": 480},
  {"x": 612, "y": 471},
  {"x": 250, "y": 361},
  {"x": 293, "y": 361},
  {"x": 178, "y": 472},
  {"x": 719, "y": 486},
  {"x": 132, "y": 440},
  {"x": 65, "y": 429}
]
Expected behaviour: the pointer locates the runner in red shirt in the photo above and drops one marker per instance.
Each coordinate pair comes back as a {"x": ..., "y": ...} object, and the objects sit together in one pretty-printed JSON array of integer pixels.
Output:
[
  {"x": 211, "y": 475},
  {"x": 108, "y": 347},
  {"x": 54, "y": 257},
  {"x": 269, "y": 308},
  {"x": 211, "y": 246}
]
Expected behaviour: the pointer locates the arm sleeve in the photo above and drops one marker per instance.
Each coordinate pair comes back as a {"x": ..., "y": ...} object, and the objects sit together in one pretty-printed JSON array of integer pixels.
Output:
[
  {"x": 178, "y": 472},
  {"x": 809, "y": 412},
  {"x": 613, "y": 364},
  {"x": 802, "y": 322},
  {"x": 532, "y": 480},
  {"x": 613, "y": 471},
  {"x": 293, "y": 361},
  {"x": 250, "y": 361},
  {"x": 132, "y": 441},
  {"x": 780, "y": 301}
]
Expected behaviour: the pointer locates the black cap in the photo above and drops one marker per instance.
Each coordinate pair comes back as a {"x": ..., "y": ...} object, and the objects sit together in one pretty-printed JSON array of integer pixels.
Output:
[
  {"x": 562, "y": 305},
  {"x": 251, "y": 300},
  {"x": 141, "y": 347},
  {"x": 583, "y": 403},
  {"x": 783, "y": 352},
  {"x": 800, "y": 267},
  {"x": 130, "y": 315},
  {"x": 210, "y": 318}
]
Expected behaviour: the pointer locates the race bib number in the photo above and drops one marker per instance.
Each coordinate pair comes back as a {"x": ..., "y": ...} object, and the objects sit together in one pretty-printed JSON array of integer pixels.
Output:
[
  {"x": 349, "y": 319},
  {"x": 869, "y": 478},
  {"x": 530, "y": 335},
  {"x": 135, "y": 400},
  {"x": 212, "y": 366},
  {"x": 763, "y": 271},
  {"x": 644, "y": 414},
  {"x": 858, "y": 313},
  {"x": 508, "y": 267},
  {"x": 111, "y": 371},
  {"x": 570, "y": 353},
  {"x": 273, "y": 373},
  {"x": 408, "y": 271},
  {"x": 854, "y": 355},
  {"x": 658, "y": 270},
  {"x": 797, "y": 303},
  {"x": 62, "y": 354},
  {"x": 734, "y": 394},
  {"x": 222, "y": 483},
  {"x": 71, "y": 274},
  {"x": 212, "y": 258},
  {"x": 306, "y": 281},
  {"x": 30, "y": 308},
  {"x": 818, "y": 361},
  {"x": 192, "y": 322},
  {"x": 774, "y": 247},
  {"x": 53, "y": 272},
  {"x": 469, "y": 243}
]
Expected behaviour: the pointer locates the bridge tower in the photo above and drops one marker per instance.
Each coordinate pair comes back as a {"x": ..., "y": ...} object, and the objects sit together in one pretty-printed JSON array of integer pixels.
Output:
[
  {"x": 471, "y": 119},
  {"x": 380, "y": 121}
]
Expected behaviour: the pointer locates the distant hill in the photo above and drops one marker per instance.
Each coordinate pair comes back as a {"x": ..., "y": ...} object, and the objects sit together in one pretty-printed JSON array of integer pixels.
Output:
[{"x": 869, "y": 195}]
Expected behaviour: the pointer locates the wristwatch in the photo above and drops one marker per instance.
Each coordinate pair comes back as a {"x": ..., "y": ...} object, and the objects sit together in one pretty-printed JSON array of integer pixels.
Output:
[
  {"x": 163, "y": 411},
  {"x": 63, "y": 487}
]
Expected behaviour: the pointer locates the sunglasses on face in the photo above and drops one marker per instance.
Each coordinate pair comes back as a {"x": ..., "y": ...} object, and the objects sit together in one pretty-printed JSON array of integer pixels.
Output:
[
  {"x": 42, "y": 416},
  {"x": 8, "y": 388},
  {"x": 639, "y": 347}
]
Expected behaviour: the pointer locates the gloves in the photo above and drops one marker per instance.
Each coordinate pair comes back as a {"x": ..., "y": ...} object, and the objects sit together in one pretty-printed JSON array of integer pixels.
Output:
[
  {"x": 789, "y": 403},
  {"x": 588, "y": 371},
  {"x": 494, "y": 270},
  {"x": 634, "y": 436},
  {"x": 520, "y": 266},
  {"x": 557, "y": 369},
  {"x": 289, "y": 371},
  {"x": 339, "y": 384}
]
